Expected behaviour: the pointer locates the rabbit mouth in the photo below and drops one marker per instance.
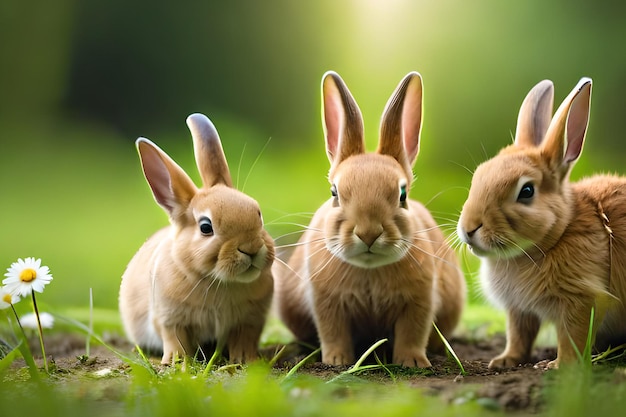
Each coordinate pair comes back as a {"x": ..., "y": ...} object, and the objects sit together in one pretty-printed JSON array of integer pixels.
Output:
[
  {"x": 498, "y": 250},
  {"x": 369, "y": 259},
  {"x": 249, "y": 275},
  {"x": 241, "y": 272}
]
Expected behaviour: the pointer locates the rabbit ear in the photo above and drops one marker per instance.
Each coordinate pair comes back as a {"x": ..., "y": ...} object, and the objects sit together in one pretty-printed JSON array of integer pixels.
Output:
[
  {"x": 208, "y": 150},
  {"x": 535, "y": 115},
  {"x": 171, "y": 186},
  {"x": 566, "y": 134},
  {"x": 342, "y": 120},
  {"x": 401, "y": 123}
]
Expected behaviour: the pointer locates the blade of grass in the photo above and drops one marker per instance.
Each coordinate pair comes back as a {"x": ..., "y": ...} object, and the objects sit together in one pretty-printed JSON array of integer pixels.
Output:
[
  {"x": 276, "y": 356},
  {"x": 214, "y": 358},
  {"x": 297, "y": 366},
  {"x": 584, "y": 358},
  {"x": 358, "y": 365},
  {"x": 88, "y": 342},
  {"x": 364, "y": 356},
  {"x": 9, "y": 358},
  {"x": 386, "y": 368},
  {"x": 604, "y": 355},
  {"x": 449, "y": 348}
]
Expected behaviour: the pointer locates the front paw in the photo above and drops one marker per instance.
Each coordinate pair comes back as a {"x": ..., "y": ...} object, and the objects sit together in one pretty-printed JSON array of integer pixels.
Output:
[
  {"x": 504, "y": 361},
  {"x": 241, "y": 356},
  {"x": 546, "y": 365},
  {"x": 171, "y": 358},
  {"x": 412, "y": 359},
  {"x": 337, "y": 357}
]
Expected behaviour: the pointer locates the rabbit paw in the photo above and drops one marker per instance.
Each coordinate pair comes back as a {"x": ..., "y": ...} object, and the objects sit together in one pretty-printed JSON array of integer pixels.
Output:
[
  {"x": 546, "y": 365},
  {"x": 412, "y": 359},
  {"x": 505, "y": 361},
  {"x": 337, "y": 357}
]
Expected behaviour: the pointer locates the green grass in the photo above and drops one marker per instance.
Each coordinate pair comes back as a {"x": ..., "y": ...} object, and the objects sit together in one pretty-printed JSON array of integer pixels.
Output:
[{"x": 258, "y": 389}]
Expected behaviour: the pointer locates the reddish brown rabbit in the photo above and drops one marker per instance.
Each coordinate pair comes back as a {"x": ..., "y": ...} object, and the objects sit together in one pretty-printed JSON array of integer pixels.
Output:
[
  {"x": 206, "y": 278},
  {"x": 372, "y": 264},
  {"x": 550, "y": 249}
]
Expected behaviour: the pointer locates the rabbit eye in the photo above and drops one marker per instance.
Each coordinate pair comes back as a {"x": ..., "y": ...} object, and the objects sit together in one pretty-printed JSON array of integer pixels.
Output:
[
  {"x": 333, "y": 190},
  {"x": 526, "y": 193},
  {"x": 206, "y": 227},
  {"x": 402, "y": 193}
]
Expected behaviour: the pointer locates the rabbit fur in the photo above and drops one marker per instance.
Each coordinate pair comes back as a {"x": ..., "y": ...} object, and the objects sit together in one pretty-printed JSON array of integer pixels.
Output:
[
  {"x": 551, "y": 250},
  {"x": 206, "y": 278},
  {"x": 372, "y": 263}
]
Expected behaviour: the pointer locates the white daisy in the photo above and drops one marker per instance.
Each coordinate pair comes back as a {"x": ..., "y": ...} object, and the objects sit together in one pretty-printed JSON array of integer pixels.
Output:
[
  {"x": 7, "y": 299},
  {"x": 26, "y": 276},
  {"x": 29, "y": 321}
]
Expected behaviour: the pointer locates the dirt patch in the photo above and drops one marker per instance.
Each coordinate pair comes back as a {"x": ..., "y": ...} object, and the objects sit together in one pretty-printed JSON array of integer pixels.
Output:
[{"x": 517, "y": 389}]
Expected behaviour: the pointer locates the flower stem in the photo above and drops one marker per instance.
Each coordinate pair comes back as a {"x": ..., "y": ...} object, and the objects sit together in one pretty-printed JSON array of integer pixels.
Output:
[
  {"x": 25, "y": 350},
  {"x": 43, "y": 350}
]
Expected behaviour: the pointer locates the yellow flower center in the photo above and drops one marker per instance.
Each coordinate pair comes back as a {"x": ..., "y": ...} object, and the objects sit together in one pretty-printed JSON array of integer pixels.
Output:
[
  {"x": 7, "y": 298},
  {"x": 28, "y": 275}
]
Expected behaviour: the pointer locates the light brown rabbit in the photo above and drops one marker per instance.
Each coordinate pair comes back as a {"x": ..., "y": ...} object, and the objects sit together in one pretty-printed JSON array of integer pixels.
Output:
[
  {"x": 372, "y": 264},
  {"x": 205, "y": 279},
  {"x": 550, "y": 249}
]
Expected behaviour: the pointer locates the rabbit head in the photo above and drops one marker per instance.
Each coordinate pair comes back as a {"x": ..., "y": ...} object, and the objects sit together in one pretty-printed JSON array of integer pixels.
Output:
[
  {"x": 520, "y": 201},
  {"x": 368, "y": 224},
  {"x": 218, "y": 230}
]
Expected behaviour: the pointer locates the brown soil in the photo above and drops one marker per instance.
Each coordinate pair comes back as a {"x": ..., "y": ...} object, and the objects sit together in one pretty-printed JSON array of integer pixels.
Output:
[{"x": 513, "y": 390}]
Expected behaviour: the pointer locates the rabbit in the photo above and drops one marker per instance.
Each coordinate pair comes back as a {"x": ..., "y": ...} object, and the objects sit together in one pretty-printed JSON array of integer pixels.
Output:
[
  {"x": 205, "y": 279},
  {"x": 550, "y": 249},
  {"x": 372, "y": 263}
]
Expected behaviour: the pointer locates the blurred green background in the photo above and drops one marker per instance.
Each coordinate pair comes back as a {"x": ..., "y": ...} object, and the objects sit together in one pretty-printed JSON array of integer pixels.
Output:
[{"x": 81, "y": 80}]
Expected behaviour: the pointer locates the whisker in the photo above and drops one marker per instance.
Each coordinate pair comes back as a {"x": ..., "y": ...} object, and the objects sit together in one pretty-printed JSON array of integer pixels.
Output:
[
  {"x": 243, "y": 151},
  {"x": 440, "y": 193},
  {"x": 465, "y": 168},
  {"x": 200, "y": 281},
  {"x": 293, "y": 245},
  {"x": 256, "y": 160},
  {"x": 513, "y": 243},
  {"x": 295, "y": 232},
  {"x": 286, "y": 265},
  {"x": 304, "y": 214}
]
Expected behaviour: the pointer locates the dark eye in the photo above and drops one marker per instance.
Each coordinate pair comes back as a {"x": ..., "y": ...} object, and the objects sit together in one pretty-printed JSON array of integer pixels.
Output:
[
  {"x": 206, "y": 227},
  {"x": 526, "y": 193},
  {"x": 402, "y": 193},
  {"x": 333, "y": 190}
]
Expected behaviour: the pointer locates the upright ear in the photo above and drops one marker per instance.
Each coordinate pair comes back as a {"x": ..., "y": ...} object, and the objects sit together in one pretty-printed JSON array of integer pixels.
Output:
[
  {"x": 535, "y": 115},
  {"x": 171, "y": 186},
  {"x": 566, "y": 134},
  {"x": 208, "y": 150},
  {"x": 342, "y": 120},
  {"x": 401, "y": 122}
]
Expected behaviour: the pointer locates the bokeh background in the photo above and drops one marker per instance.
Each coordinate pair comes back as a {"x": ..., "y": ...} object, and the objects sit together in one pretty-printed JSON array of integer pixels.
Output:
[{"x": 81, "y": 80}]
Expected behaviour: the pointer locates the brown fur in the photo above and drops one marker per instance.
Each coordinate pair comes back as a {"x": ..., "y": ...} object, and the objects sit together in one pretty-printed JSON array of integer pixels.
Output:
[
  {"x": 185, "y": 289},
  {"x": 330, "y": 289},
  {"x": 552, "y": 257}
]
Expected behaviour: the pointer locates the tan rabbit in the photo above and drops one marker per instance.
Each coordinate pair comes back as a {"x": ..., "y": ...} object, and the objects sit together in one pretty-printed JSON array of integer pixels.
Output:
[
  {"x": 205, "y": 279},
  {"x": 372, "y": 264},
  {"x": 550, "y": 249}
]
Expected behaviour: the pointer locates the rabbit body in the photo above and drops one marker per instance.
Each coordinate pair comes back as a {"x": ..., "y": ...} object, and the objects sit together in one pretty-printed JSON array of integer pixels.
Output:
[
  {"x": 205, "y": 279},
  {"x": 372, "y": 263},
  {"x": 550, "y": 249}
]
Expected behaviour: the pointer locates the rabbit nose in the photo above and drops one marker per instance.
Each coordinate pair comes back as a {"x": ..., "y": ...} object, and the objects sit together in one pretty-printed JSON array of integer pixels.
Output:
[
  {"x": 368, "y": 237},
  {"x": 471, "y": 233},
  {"x": 250, "y": 248}
]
